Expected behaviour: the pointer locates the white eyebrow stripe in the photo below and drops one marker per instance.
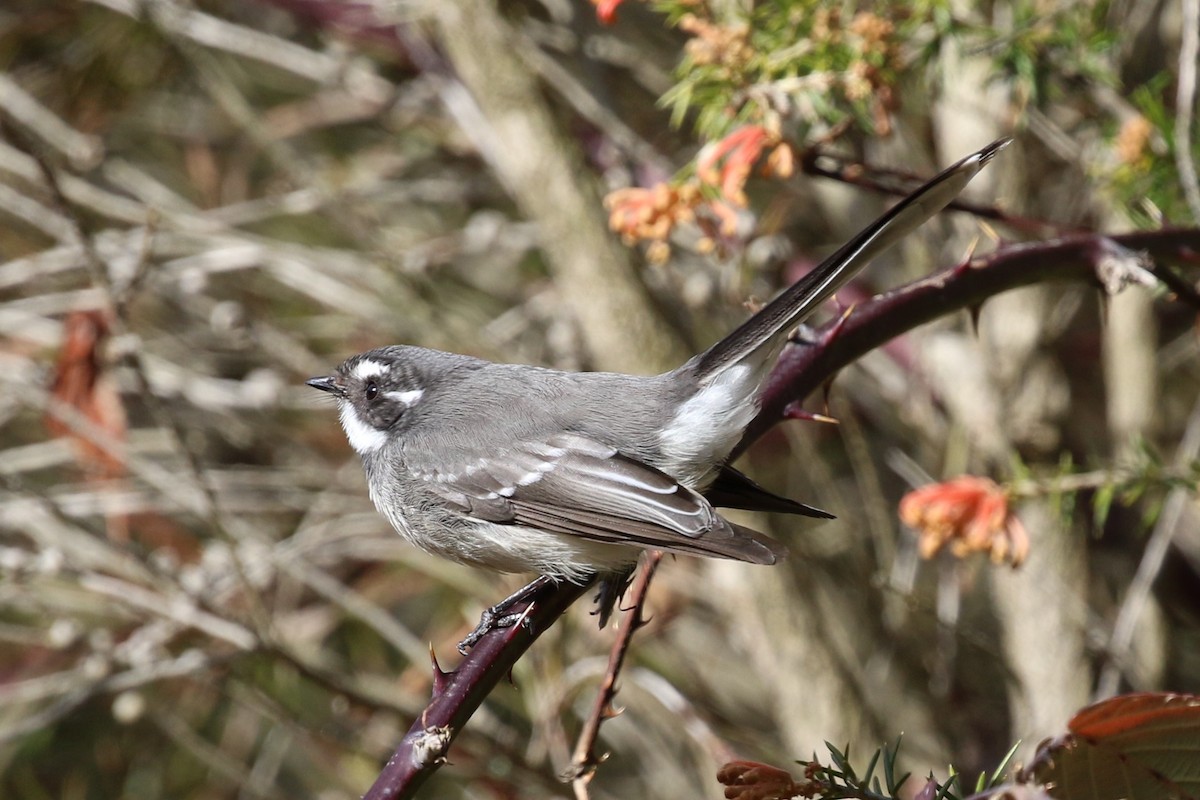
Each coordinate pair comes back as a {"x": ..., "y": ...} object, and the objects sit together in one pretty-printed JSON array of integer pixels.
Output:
[
  {"x": 408, "y": 398},
  {"x": 368, "y": 369}
]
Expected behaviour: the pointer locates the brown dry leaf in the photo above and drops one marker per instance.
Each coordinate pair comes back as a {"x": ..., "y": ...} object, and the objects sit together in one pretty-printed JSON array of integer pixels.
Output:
[{"x": 81, "y": 382}]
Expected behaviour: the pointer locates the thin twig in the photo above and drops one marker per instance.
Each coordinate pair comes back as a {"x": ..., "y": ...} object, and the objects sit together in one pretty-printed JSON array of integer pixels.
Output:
[
  {"x": 862, "y": 176},
  {"x": 1185, "y": 99},
  {"x": 205, "y": 30},
  {"x": 585, "y": 759},
  {"x": 186, "y": 664},
  {"x": 1150, "y": 565},
  {"x": 1096, "y": 479},
  {"x": 81, "y": 149},
  {"x": 102, "y": 279}
]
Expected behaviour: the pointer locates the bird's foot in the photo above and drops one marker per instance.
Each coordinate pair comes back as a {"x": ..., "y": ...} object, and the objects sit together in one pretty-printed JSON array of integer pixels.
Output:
[{"x": 502, "y": 615}]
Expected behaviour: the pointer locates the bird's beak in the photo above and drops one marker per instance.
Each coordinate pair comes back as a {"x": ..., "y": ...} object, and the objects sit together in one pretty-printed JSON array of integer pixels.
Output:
[{"x": 328, "y": 383}]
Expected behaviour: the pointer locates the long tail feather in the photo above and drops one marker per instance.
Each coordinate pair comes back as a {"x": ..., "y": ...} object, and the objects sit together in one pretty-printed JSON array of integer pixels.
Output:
[{"x": 801, "y": 298}]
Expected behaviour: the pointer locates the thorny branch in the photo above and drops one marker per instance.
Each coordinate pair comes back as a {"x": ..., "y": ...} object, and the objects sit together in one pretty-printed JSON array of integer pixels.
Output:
[
  {"x": 457, "y": 694},
  {"x": 820, "y": 353},
  {"x": 585, "y": 759},
  {"x": 813, "y": 360}
]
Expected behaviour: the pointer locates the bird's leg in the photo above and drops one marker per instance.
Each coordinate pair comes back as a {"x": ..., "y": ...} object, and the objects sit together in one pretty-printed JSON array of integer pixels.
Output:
[
  {"x": 501, "y": 614},
  {"x": 612, "y": 589}
]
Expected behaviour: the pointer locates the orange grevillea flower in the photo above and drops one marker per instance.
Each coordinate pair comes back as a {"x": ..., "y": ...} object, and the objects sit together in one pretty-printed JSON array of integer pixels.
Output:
[
  {"x": 1133, "y": 141},
  {"x": 727, "y": 163},
  {"x": 711, "y": 43},
  {"x": 968, "y": 514},
  {"x": 651, "y": 213},
  {"x": 736, "y": 153},
  {"x": 606, "y": 10}
]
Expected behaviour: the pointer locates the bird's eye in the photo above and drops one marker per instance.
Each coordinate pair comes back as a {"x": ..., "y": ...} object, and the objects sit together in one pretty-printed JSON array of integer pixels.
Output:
[{"x": 372, "y": 390}]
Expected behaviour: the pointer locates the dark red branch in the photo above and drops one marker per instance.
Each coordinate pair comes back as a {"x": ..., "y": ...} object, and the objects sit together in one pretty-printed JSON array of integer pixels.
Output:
[
  {"x": 807, "y": 365},
  {"x": 457, "y": 694}
]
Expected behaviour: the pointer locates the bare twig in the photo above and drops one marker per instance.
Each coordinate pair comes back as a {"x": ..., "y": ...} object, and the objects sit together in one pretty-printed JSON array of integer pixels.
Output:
[
  {"x": 1185, "y": 104},
  {"x": 1149, "y": 567},
  {"x": 82, "y": 150},
  {"x": 213, "y": 32},
  {"x": 585, "y": 759},
  {"x": 187, "y": 663},
  {"x": 1084, "y": 481},
  {"x": 180, "y": 609},
  {"x": 901, "y": 183}
]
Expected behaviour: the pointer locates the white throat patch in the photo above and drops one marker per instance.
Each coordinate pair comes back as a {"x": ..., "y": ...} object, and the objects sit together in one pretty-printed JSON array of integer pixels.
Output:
[{"x": 363, "y": 438}]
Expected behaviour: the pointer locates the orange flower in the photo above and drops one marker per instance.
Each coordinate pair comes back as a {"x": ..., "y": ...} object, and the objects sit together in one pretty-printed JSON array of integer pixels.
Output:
[
  {"x": 606, "y": 10},
  {"x": 970, "y": 514},
  {"x": 1134, "y": 139},
  {"x": 737, "y": 153},
  {"x": 726, "y": 45},
  {"x": 639, "y": 213}
]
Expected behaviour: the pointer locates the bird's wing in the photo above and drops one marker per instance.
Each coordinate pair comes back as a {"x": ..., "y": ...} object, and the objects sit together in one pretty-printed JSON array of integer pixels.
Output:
[{"x": 572, "y": 485}]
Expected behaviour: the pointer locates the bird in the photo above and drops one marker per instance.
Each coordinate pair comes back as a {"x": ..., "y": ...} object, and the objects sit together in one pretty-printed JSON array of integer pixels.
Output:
[{"x": 571, "y": 475}]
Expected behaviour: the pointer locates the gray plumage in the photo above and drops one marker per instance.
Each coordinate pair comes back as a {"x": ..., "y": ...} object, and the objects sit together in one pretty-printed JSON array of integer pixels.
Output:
[{"x": 519, "y": 468}]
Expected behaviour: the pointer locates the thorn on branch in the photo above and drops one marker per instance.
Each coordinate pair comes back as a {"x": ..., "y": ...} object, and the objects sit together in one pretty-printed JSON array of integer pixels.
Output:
[
  {"x": 831, "y": 332},
  {"x": 441, "y": 678},
  {"x": 973, "y": 312},
  {"x": 612, "y": 712},
  {"x": 826, "y": 388},
  {"x": 796, "y": 411}
]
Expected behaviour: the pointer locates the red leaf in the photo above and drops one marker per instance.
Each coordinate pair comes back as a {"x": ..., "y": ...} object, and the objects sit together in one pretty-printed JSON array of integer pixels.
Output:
[
  {"x": 1145, "y": 711},
  {"x": 1134, "y": 747}
]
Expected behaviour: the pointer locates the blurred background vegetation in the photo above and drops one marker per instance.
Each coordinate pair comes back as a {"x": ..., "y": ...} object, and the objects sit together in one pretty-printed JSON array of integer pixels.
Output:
[{"x": 203, "y": 204}]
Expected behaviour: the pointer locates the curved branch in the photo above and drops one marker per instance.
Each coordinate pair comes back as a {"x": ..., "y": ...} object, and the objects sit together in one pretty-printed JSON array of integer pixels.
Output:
[{"x": 807, "y": 365}]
